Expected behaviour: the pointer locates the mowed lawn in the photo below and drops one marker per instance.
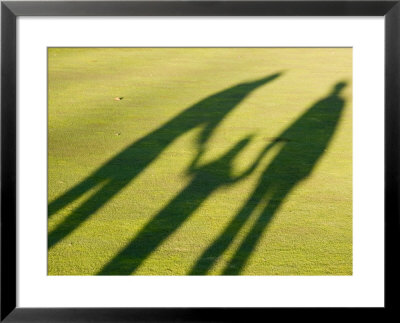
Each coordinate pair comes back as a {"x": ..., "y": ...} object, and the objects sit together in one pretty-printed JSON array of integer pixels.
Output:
[{"x": 214, "y": 161}]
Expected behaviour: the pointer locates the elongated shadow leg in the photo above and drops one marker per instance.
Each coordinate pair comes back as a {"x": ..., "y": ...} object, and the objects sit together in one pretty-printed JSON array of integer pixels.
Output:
[
  {"x": 72, "y": 194},
  {"x": 242, "y": 254},
  {"x": 157, "y": 230},
  {"x": 84, "y": 211},
  {"x": 221, "y": 244}
]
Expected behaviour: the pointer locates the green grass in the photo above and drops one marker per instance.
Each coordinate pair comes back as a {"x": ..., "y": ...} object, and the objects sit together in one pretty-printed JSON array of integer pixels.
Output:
[{"x": 216, "y": 161}]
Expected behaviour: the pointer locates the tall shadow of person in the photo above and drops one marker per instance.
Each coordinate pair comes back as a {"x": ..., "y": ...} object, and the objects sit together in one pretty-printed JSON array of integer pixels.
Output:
[
  {"x": 118, "y": 172},
  {"x": 206, "y": 179},
  {"x": 301, "y": 146}
]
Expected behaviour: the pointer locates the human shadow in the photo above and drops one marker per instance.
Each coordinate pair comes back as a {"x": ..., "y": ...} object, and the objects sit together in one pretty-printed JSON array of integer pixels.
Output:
[
  {"x": 301, "y": 146},
  {"x": 118, "y": 172},
  {"x": 206, "y": 179}
]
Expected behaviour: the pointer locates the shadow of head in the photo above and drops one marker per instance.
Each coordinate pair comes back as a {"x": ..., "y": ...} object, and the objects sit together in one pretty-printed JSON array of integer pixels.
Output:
[
  {"x": 248, "y": 86},
  {"x": 212, "y": 110},
  {"x": 224, "y": 163},
  {"x": 338, "y": 87},
  {"x": 237, "y": 148}
]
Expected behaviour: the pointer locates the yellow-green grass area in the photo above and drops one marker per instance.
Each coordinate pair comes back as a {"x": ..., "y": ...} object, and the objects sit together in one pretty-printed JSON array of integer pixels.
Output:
[{"x": 216, "y": 161}]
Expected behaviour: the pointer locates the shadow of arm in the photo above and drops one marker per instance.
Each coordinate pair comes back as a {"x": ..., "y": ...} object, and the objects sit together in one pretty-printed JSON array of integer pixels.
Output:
[{"x": 261, "y": 155}]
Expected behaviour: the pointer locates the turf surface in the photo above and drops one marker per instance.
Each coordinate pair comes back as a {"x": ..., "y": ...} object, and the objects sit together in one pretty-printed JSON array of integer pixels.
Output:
[{"x": 213, "y": 161}]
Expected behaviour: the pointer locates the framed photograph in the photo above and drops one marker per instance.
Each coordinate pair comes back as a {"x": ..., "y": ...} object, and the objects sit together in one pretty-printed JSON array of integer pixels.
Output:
[{"x": 197, "y": 160}]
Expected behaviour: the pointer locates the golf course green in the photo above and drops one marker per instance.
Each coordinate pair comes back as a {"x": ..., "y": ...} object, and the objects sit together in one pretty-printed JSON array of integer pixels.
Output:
[{"x": 200, "y": 161}]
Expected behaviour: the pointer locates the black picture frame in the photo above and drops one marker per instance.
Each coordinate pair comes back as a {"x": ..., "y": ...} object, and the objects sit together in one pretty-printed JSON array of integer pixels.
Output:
[{"x": 11, "y": 10}]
